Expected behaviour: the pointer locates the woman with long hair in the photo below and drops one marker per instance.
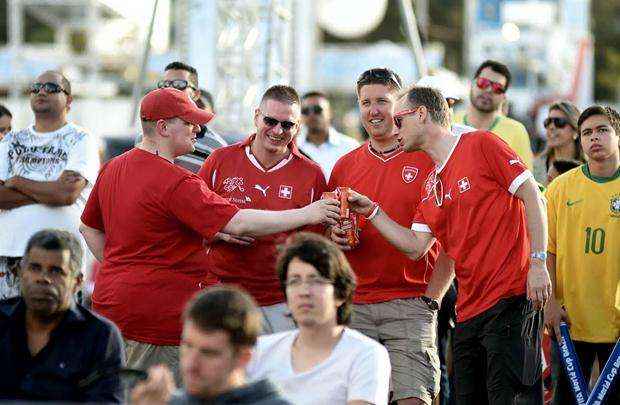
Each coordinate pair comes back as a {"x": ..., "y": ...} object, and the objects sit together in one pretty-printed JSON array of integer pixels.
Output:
[{"x": 562, "y": 138}]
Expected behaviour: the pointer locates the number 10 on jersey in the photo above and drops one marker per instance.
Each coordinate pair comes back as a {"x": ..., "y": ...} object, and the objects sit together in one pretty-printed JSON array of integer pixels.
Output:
[{"x": 595, "y": 240}]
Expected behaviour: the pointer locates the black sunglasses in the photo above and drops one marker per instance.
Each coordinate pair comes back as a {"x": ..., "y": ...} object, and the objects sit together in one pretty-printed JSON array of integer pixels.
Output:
[
  {"x": 49, "y": 88},
  {"x": 379, "y": 75},
  {"x": 272, "y": 122},
  {"x": 314, "y": 109},
  {"x": 557, "y": 122},
  {"x": 178, "y": 84}
]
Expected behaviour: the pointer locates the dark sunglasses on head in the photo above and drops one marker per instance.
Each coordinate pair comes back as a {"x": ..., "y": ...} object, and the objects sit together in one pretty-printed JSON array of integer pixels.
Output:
[
  {"x": 314, "y": 109},
  {"x": 379, "y": 74},
  {"x": 178, "y": 84},
  {"x": 483, "y": 83},
  {"x": 272, "y": 122},
  {"x": 49, "y": 88},
  {"x": 557, "y": 122}
]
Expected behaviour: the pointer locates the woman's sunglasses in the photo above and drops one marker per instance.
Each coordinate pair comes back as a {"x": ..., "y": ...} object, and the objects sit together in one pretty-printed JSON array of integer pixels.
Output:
[{"x": 557, "y": 122}]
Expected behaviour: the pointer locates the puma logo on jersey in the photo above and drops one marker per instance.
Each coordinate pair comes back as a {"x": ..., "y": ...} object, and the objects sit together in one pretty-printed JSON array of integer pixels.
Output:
[
  {"x": 513, "y": 161},
  {"x": 570, "y": 203},
  {"x": 261, "y": 189}
]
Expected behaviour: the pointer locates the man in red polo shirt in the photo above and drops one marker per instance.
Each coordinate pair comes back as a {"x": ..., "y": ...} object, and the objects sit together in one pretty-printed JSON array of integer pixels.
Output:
[
  {"x": 146, "y": 220},
  {"x": 393, "y": 302},
  {"x": 483, "y": 206},
  {"x": 265, "y": 172}
]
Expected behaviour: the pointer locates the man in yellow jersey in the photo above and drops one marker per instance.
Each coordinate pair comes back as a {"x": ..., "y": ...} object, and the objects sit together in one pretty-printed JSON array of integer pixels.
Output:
[
  {"x": 487, "y": 93},
  {"x": 584, "y": 255}
]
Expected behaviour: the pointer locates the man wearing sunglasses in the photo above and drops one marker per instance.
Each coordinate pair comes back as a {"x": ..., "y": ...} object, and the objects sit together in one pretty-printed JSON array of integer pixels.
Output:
[
  {"x": 397, "y": 301},
  {"x": 184, "y": 77},
  {"x": 487, "y": 93},
  {"x": 147, "y": 219},
  {"x": 46, "y": 173},
  {"x": 484, "y": 207},
  {"x": 318, "y": 138},
  {"x": 264, "y": 172}
]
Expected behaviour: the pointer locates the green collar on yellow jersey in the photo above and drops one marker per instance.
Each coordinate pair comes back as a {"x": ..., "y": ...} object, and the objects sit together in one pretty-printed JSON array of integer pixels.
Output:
[
  {"x": 495, "y": 121},
  {"x": 586, "y": 171}
]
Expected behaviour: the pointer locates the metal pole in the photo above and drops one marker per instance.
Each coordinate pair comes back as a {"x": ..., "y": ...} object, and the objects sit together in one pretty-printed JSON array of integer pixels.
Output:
[
  {"x": 413, "y": 36},
  {"x": 15, "y": 18},
  {"x": 139, "y": 84}
]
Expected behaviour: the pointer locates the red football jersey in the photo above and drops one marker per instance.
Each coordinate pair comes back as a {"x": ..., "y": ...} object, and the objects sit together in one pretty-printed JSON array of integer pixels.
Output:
[
  {"x": 235, "y": 174},
  {"x": 470, "y": 208},
  {"x": 154, "y": 216},
  {"x": 395, "y": 183}
]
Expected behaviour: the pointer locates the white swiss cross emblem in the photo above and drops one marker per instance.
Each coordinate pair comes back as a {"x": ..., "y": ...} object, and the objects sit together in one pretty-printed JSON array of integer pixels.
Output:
[
  {"x": 463, "y": 184},
  {"x": 409, "y": 174},
  {"x": 286, "y": 192}
]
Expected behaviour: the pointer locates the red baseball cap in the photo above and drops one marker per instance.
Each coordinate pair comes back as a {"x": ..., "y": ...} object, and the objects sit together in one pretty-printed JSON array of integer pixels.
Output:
[{"x": 166, "y": 103}]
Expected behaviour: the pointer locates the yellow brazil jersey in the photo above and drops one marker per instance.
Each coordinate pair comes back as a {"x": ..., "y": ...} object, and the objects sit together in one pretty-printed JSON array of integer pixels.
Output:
[
  {"x": 584, "y": 233},
  {"x": 511, "y": 131}
]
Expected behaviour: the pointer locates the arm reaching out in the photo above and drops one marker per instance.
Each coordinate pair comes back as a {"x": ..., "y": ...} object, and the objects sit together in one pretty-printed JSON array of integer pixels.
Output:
[
  {"x": 412, "y": 243},
  {"x": 250, "y": 222}
]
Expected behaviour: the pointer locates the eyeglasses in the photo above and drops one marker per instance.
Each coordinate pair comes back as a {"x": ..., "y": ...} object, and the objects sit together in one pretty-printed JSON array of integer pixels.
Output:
[
  {"x": 272, "y": 122},
  {"x": 558, "y": 122},
  {"x": 483, "y": 83},
  {"x": 314, "y": 109},
  {"x": 379, "y": 74},
  {"x": 49, "y": 87},
  {"x": 311, "y": 282},
  {"x": 178, "y": 84},
  {"x": 398, "y": 117}
]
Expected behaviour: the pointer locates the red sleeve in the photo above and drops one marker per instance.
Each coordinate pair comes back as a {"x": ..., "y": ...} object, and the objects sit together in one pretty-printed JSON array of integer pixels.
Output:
[
  {"x": 91, "y": 216},
  {"x": 320, "y": 185},
  {"x": 505, "y": 166},
  {"x": 201, "y": 209},
  {"x": 206, "y": 171}
]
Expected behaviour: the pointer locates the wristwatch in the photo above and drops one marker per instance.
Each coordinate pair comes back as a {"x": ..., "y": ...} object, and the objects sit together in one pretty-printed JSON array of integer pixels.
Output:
[
  {"x": 539, "y": 255},
  {"x": 431, "y": 303}
]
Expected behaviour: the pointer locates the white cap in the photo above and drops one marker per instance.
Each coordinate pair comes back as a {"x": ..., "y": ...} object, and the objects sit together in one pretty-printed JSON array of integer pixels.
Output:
[{"x": 448, "y": 87}]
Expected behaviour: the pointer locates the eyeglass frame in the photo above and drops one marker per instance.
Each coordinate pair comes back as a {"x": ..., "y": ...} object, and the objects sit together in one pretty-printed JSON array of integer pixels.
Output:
[
  {"x": 558, "y": 122},
  {"x": 168, "y": 83},
  {"x": 283, "y": 124},
  {"x": 397, "y": 117},
  {"x": 311, "y": 282},
  {"x": 43, "y": 86},
  {"x": 483, "y": 83},
  {"x": 315, "y": 109}
]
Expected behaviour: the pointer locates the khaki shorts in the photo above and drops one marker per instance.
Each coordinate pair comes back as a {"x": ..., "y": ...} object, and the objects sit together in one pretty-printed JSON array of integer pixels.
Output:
[
  {"x": 276, "y": 318},
  {"x": 408, "y": 330},
  {"x": 144, "y": 355}
]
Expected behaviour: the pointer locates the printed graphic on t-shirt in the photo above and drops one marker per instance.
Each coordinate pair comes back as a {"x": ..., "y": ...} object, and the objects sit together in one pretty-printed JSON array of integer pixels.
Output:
[{"x": 41, "y": 158}]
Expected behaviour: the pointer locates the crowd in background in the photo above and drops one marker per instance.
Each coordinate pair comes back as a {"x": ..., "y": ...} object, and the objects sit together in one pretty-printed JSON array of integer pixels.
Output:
[{"x": 445, "y": 280}]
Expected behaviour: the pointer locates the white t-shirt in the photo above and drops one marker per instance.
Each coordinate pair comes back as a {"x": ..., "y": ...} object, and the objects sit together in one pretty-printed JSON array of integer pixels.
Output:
[
  {"x": 357, "y": 369},
  {"x": 460, "y": 129},
  {"x": 327, "y": 154},
  {"x": 43, "y": 156}
]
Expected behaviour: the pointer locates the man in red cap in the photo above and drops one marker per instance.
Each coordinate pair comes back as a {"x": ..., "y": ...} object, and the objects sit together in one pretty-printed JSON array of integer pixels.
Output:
[{"x": 146, "y": 220}]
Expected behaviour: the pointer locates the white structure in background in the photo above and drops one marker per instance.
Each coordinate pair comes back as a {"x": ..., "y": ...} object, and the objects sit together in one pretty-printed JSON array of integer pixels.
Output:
[
  {"x": 546, "y": 43},
  {"x": 240, "y": 48}
]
